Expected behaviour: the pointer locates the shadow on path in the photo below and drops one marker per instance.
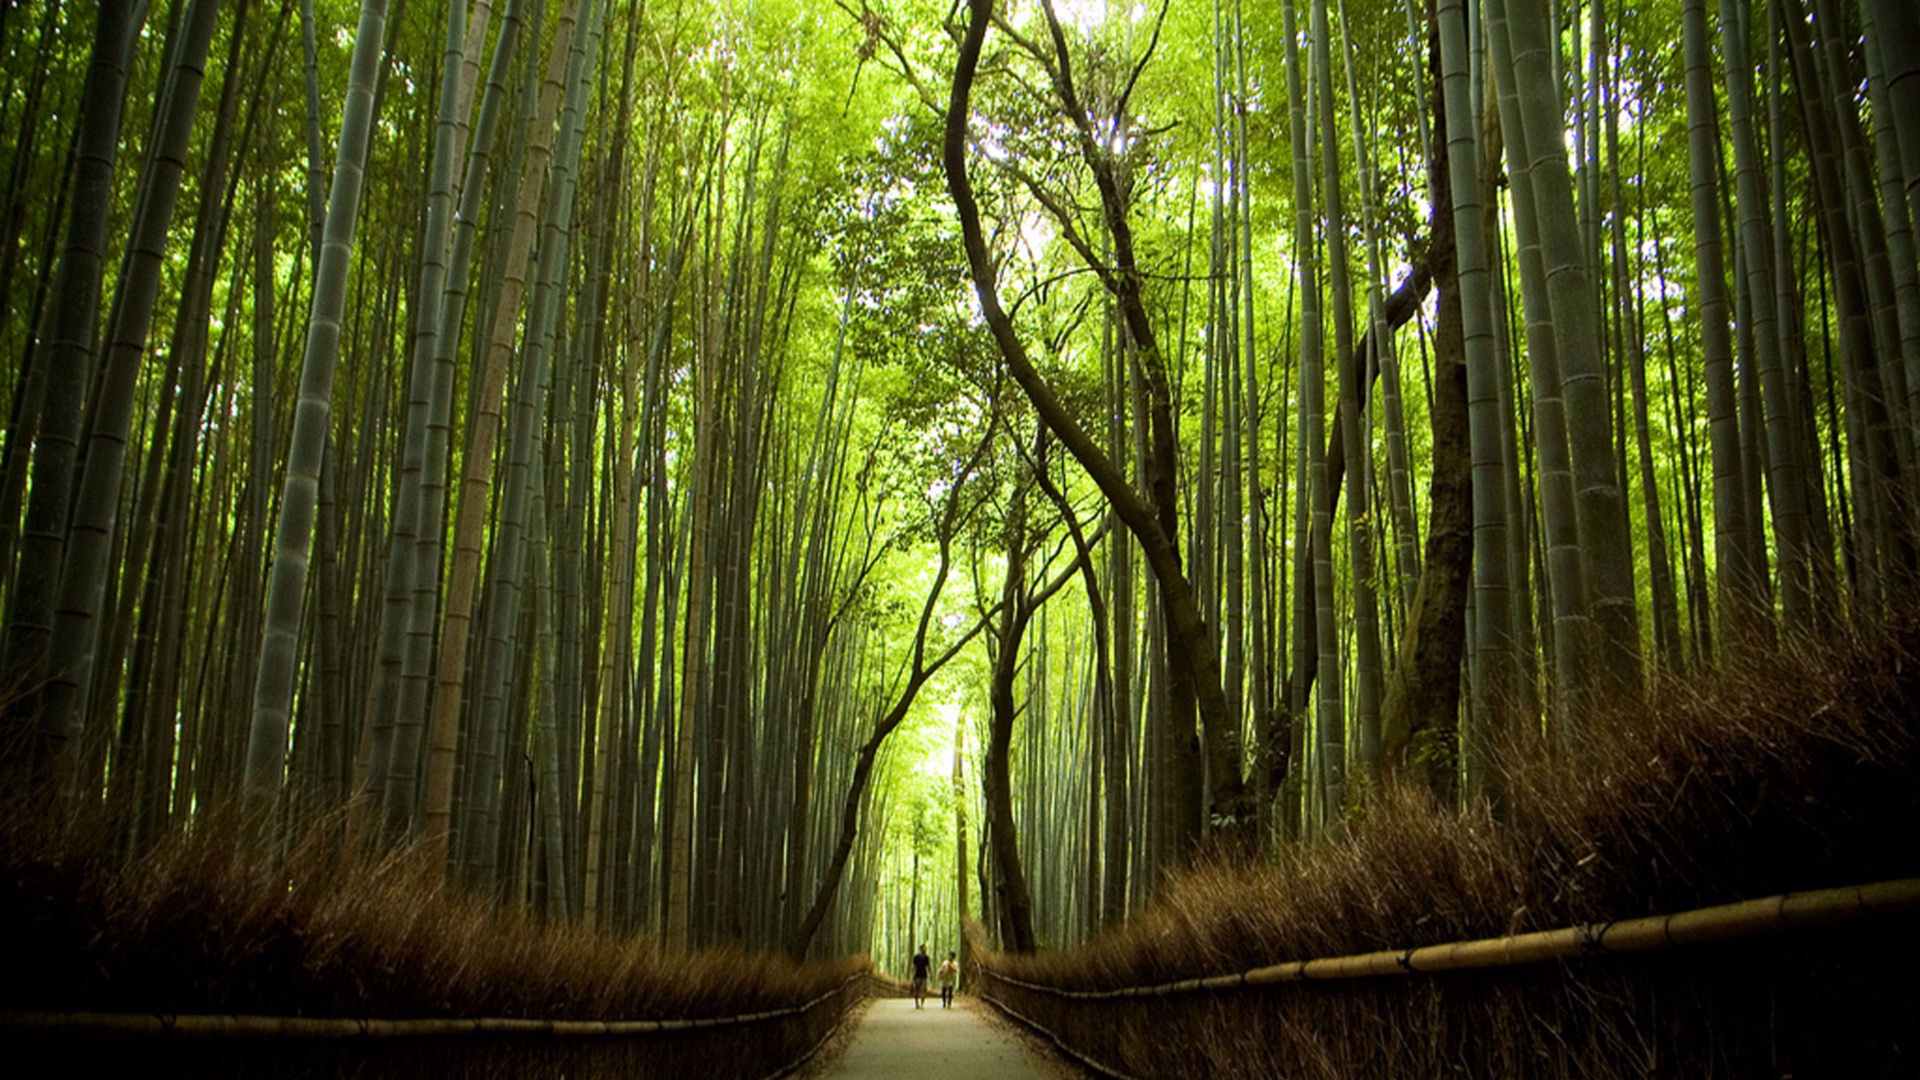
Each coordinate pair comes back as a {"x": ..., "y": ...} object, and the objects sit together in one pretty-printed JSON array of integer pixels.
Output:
[{"x": 896, "y": 1040}]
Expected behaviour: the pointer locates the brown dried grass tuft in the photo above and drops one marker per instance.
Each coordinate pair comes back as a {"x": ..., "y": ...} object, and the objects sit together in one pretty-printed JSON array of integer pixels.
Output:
[
  {"x": 1796, "y": 771},
  {"x": 203, "y": 923}
]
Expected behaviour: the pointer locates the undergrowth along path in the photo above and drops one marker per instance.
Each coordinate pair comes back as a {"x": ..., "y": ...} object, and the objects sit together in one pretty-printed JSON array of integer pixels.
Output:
[{"x": 895, "y": 1040}]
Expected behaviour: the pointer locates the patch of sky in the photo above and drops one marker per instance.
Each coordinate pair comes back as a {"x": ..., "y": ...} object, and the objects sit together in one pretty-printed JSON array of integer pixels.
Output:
[{"x": 1037, "y": 233}]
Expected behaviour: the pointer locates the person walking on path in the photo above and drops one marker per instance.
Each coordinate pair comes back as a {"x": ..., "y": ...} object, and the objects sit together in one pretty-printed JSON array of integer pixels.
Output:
[
  {"x": 921, "y": 962},
  {"x": 949, "y": 974}
]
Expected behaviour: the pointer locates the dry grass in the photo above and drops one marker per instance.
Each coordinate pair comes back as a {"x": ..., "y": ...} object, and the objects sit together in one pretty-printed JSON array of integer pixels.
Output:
[
  {"x": 201, "y": 925},
  {"x": 1797, "y": 773}
]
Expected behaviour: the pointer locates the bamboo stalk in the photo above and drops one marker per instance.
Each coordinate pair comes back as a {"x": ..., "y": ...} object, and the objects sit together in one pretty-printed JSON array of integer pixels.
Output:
[
  {"x": 1700, "y": 926},
  {"x": 221, "y": 1026}
]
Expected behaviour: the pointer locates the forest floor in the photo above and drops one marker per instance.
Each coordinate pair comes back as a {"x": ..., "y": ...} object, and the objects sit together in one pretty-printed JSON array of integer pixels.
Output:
[{"x": 966, "y": 1042}]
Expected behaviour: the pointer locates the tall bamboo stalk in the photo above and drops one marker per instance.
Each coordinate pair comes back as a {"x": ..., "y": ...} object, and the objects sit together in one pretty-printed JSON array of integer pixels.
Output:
[
  {"x": 293, "y": 533},
  {"x": 67, "y": 338}
]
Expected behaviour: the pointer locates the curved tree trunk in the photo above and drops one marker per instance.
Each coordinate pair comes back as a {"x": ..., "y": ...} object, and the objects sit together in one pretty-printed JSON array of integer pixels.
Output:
[
  {"x": 1014, "y": 902},
  {"x": 1193, "y": 661},
  {"x": 920, "y": 670}
]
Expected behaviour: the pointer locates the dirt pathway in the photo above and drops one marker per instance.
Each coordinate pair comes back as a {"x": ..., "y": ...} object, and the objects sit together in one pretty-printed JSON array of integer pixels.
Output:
[{"x": 896, "y": 1040}]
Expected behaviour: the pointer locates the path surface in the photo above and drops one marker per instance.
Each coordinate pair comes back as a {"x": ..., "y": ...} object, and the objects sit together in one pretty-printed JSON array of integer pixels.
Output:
[{"x": 896, "y": 1040}]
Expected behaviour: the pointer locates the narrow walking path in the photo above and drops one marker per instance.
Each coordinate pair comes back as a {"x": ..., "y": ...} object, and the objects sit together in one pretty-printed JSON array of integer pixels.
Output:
[{"x": 896, "y": 1040}]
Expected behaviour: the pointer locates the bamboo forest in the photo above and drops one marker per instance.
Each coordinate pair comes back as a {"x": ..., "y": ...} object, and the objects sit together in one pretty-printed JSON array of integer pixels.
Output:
[{"x": 1334, "y": 538}]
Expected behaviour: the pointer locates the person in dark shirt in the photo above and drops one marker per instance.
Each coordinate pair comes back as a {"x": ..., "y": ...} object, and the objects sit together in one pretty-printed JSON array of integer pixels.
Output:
[{"x": 921, "y": 963}]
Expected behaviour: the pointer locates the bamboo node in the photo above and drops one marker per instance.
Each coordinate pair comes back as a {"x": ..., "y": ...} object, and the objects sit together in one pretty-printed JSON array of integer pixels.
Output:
[{"x": 1593, "y": 938}]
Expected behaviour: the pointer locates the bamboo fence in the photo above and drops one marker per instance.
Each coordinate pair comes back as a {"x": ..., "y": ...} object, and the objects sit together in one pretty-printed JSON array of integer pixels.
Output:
[
  {"x": 1700, "y": 926},
  {"x": 217, "y": 1026}
]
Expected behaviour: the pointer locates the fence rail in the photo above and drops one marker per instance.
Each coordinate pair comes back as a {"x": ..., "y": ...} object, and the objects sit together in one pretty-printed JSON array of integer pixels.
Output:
[
  {"x": 222, "y": 1026},
  {"x": 1699, "y": 926},
  {"x": 1075, "y": 1022}
]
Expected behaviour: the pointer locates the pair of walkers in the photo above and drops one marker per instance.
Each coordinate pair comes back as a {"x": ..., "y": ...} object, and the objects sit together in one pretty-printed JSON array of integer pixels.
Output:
[{"x": 949, "y": 975}]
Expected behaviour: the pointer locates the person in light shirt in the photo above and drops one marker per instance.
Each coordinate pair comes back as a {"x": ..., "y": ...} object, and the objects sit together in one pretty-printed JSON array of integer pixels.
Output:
[{"x": 949, "y": 975}]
